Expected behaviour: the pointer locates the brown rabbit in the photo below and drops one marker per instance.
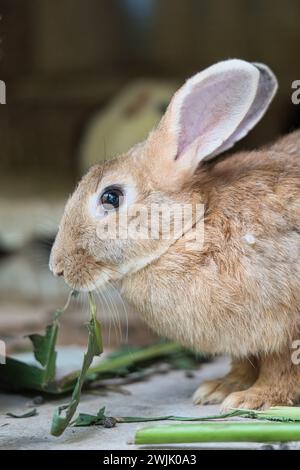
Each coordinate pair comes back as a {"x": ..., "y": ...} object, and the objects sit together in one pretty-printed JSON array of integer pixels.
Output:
[{"x": 237, "y": 294}]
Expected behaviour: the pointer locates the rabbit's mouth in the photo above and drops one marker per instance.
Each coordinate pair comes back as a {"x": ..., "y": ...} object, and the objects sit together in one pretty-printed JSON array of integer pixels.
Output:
[
  {"x": 90, "y": 277},
  {"x": 82, "y": 272}
]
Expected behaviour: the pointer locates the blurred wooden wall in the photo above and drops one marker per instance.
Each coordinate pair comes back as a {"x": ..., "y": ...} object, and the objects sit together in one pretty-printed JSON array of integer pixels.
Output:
[{"x": 62, "y": 59}]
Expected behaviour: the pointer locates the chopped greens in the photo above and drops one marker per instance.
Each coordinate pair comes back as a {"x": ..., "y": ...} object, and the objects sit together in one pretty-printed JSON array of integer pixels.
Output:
[
  {"x": 127, "y": 362},
  {"x": 64, "y": 414},
  {"x": 218, "y": 432}
]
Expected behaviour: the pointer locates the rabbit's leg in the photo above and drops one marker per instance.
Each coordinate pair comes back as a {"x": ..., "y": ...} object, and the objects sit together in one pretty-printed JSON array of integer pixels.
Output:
[
  {"x": 278, "y": 383},
  {"x": 242, "y": 375}
]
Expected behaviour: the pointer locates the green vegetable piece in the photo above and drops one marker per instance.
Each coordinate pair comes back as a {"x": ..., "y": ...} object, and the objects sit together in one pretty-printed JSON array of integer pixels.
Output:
[
  {"x": 275, "y": 413},
  {"x": 218, "y": 432},
  {"x": 44, "y": 345},
  {"x": 44, "y": 351},
  {"x": 63, "y": 414},
  {"x": 85, "y": 419},
  {"x": 28, "y": 414}
]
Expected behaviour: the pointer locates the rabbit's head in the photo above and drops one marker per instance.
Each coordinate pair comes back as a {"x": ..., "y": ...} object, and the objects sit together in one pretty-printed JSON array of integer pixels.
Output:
[{"x": 108, "y": 229}]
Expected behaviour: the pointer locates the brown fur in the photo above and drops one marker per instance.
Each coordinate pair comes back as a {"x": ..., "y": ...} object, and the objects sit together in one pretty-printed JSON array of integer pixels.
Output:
[
  {"x": 238, "y": 294},
  {"x": 230, "y": 297}
]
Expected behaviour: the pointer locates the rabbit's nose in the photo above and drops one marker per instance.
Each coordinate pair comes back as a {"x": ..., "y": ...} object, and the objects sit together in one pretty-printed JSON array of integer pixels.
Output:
[
  {"x": 56, "y": 270},
  {"x": 59, "y": 273}
]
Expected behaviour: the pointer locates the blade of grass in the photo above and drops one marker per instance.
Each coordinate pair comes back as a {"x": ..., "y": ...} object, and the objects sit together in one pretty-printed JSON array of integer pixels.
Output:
[
  {"x": 85, "y": 419},
  {"x": 285, "y": 414},
  {"x": 63, "y": 414},
  {"x": 18, "y": 375},
  {"x": 218, "y": 432},
  {"x": 44, "y": 345},
  {"x": 140, "y": 419},
  {"x": 44, "y": 351}
]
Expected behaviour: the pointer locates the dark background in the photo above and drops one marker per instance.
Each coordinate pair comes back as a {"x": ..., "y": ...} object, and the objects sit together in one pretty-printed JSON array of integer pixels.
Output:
[{"x": 62, "y": 59}]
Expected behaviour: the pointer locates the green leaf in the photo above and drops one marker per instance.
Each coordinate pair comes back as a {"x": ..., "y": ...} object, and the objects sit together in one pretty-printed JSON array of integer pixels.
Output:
[
  {"x": 44, "y": 345},
  {"x": 17, "y": 375},
  {"x": 28, "y": 414},
  {"x": 85, "y": 419},
  {"x": 63, "y": 414},
  {"x": 94, "y": 328},
  {"x": 44, "y": 351}
]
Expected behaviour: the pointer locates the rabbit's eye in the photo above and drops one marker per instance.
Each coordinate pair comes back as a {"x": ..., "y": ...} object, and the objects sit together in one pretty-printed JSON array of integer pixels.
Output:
[{"x": 111, "y": 198}]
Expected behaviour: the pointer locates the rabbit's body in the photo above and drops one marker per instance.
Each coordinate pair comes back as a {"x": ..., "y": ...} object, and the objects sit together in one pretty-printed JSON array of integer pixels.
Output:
[
  {"x": 237, "y": 293},
  {"x": 240, "y": 294}
]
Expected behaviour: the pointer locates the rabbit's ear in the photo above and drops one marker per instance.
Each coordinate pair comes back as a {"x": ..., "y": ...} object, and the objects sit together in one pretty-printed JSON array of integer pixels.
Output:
[
  {"x": 267, "y": 87},
  {"x": 210, "y": 112}
]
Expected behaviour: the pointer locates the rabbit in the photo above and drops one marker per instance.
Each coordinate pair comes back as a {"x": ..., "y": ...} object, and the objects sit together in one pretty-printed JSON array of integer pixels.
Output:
[{"x": 239, "y": 293}]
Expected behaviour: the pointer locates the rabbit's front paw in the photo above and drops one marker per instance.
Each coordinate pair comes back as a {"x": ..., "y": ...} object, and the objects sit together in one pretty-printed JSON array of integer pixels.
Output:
[
  {"x": 212, "y": 392},
  {"x": 255, "y": 398},
  {"x": 242, "y": 375}
]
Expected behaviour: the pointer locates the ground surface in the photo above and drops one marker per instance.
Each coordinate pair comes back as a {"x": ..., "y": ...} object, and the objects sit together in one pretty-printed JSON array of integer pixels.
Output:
[{"x": 168, "y": 394}]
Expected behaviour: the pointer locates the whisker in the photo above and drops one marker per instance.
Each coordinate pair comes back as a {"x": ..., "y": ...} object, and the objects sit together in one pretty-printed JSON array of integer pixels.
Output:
[
  {"x": 111, "y": 312},
  {"x": 116, "y": 290},
  {"x": 106, "y": 293},
  {"x": 117, "y": 313},
  {"x": 101, "y": 295},
  {"x": 100, "y": 299}
]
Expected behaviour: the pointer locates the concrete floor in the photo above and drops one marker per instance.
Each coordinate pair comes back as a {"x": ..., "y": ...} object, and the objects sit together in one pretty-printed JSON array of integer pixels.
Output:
[{"x": 160, "y": 395}]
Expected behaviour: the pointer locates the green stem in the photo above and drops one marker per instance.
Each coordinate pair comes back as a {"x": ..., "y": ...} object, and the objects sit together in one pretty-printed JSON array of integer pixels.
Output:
[
  {"x": 60, "y": 311},
  {"x": 63, "y": 414},
  {"x": 218, "y": 432},
  {"x": 145, "y": 419}
]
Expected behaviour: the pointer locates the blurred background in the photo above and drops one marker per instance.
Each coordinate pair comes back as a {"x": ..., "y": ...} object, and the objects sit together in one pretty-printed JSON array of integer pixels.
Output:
[{"x": 85, "y": 80}]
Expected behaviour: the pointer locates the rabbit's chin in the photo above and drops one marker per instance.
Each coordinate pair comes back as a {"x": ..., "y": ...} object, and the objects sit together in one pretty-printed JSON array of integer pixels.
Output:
[{"x": 81, "y": 285}]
